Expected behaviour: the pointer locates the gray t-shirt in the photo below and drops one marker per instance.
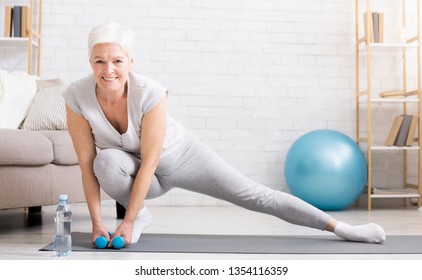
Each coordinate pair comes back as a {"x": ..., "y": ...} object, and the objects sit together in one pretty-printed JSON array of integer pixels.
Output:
[{"x": 143, "y": 94}]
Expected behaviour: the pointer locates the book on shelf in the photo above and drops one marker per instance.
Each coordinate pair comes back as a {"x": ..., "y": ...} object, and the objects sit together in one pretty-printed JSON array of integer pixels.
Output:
[
  {"x": 25, "y": 24},
  {"x": 8, "y": 21},
  {"x": 375, "y": 23},
  {"x": 394, "y": 131},
  {"x": 412, "y": 131},
  {"x": 402, "y": 131},
  {"x": 17, "y": 18},
  {"x": 381, "y": 27},
  {"x": 16, "y": 21},
  {"x": 399, "y": 93},
  {"x": 375, "y": 26}
]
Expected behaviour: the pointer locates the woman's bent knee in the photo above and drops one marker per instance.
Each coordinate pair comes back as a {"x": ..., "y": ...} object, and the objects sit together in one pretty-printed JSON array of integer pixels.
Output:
[{"x": 110, "y": 161}]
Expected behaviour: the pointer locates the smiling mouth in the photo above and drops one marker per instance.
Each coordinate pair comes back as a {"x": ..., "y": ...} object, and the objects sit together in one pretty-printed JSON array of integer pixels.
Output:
[{"x": 109, "y": 78}]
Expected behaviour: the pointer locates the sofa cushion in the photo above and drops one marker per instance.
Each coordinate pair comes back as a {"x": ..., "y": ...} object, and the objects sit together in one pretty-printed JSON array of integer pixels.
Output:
[
  {"x": 20, "y": 147},
  {"x": 48, "y": 111},
  {"x": 64, "y": 153}
]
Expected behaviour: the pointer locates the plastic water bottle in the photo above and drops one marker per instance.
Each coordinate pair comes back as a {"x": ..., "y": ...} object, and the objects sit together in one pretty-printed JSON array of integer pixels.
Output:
[{"x": 63, "y": 217}]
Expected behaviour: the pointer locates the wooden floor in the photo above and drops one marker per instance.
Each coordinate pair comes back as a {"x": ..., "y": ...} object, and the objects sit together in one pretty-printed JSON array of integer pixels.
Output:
[{"x": 22, "y": 234}]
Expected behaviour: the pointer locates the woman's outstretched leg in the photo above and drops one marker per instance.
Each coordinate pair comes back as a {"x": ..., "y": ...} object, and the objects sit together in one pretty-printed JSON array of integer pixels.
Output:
[{"x": 201, "y": 170}]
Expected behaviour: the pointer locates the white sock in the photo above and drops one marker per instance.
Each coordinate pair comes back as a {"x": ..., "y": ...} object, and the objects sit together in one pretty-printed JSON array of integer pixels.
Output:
[
  {"x": 142, "y": 221},
  {"x": 370, "y": 233}
]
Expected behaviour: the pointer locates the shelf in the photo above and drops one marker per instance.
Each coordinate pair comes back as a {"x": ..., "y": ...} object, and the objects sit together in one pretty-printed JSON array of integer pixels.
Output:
[
  {"x": 413, "y": 44},
  {"x": 16, "y": 42},
  {"x": 393, "y": 45},
  {"x": 394, "y": 148},
  {"x": 378, "y": 147},
  {"x": 32, "y": 43},
  {"x": 367, "y": 98},
  {"x": 364, "y": 100},
  {"x": 394, "y": 193}
]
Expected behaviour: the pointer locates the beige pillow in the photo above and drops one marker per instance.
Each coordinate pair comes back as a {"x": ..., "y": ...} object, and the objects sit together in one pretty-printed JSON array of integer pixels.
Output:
[{"x": 48, "y": 111}]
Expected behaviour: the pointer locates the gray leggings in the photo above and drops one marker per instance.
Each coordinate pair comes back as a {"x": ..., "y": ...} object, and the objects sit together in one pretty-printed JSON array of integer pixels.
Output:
[{"x": 195, "y": 167}]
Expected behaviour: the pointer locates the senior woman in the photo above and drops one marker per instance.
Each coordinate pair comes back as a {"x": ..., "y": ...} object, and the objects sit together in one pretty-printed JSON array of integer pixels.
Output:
[{"x": 127, "y": 145}]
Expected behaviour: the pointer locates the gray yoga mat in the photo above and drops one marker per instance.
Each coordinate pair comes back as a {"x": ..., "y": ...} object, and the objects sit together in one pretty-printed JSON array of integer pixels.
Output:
[{"x": 253, "y": 244}]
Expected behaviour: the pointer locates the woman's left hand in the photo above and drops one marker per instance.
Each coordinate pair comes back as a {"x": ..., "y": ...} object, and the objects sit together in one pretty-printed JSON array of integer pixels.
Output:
[{"x": 125, "y": 231}]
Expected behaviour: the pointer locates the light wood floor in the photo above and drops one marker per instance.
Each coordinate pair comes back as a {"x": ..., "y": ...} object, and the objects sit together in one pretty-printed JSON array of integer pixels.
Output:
[{"x": 20, "y": 238}]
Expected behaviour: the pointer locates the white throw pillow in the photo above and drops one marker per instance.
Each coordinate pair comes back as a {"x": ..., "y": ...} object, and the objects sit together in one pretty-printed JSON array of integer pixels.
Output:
[
  {"x": 17, "y": 90},
  {"x": 48, "y": 111}
]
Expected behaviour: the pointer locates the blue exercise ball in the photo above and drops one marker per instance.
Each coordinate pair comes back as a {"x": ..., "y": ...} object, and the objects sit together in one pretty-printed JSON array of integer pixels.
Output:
[{"x": 326, "y": 169}]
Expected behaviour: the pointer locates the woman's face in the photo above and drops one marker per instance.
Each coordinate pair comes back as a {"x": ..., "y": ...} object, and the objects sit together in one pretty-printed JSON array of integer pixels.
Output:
[{"x": 110, "y": 65}]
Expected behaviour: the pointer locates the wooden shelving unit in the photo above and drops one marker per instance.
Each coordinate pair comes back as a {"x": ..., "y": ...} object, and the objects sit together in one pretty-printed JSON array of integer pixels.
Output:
[
  {"x": 32, "y": 43},
  {"x": 365, "y": 98}
]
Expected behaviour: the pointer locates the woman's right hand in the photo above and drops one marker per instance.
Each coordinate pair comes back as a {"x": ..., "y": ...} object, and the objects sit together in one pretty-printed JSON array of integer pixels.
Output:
[{"x": 99, "y": 230}]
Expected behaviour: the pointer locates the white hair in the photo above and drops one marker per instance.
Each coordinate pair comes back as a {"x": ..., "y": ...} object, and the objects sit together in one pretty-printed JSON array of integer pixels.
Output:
[{"x": 112, "y": 33}]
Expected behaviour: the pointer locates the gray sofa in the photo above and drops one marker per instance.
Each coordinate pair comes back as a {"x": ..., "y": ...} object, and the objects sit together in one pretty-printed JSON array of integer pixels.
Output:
[
  {"x": 36, "y": 167},
  {"x": 38, "y": 161}
]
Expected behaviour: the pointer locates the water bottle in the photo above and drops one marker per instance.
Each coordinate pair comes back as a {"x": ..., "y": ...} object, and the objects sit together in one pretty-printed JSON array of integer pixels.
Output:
[{"x": 63, "y": 217}]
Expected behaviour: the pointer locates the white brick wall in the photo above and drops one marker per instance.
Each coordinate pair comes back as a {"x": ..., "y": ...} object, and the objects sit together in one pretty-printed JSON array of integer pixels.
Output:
[{"x": 246, "y": 76}]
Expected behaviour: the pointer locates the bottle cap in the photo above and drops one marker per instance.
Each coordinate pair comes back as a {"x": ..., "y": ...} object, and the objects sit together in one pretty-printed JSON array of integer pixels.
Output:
[{"x": 63, "y": 197}]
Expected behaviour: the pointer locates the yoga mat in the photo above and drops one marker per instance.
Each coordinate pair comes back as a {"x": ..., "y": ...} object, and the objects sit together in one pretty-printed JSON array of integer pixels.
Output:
[{"x": 253, "y": 244}]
